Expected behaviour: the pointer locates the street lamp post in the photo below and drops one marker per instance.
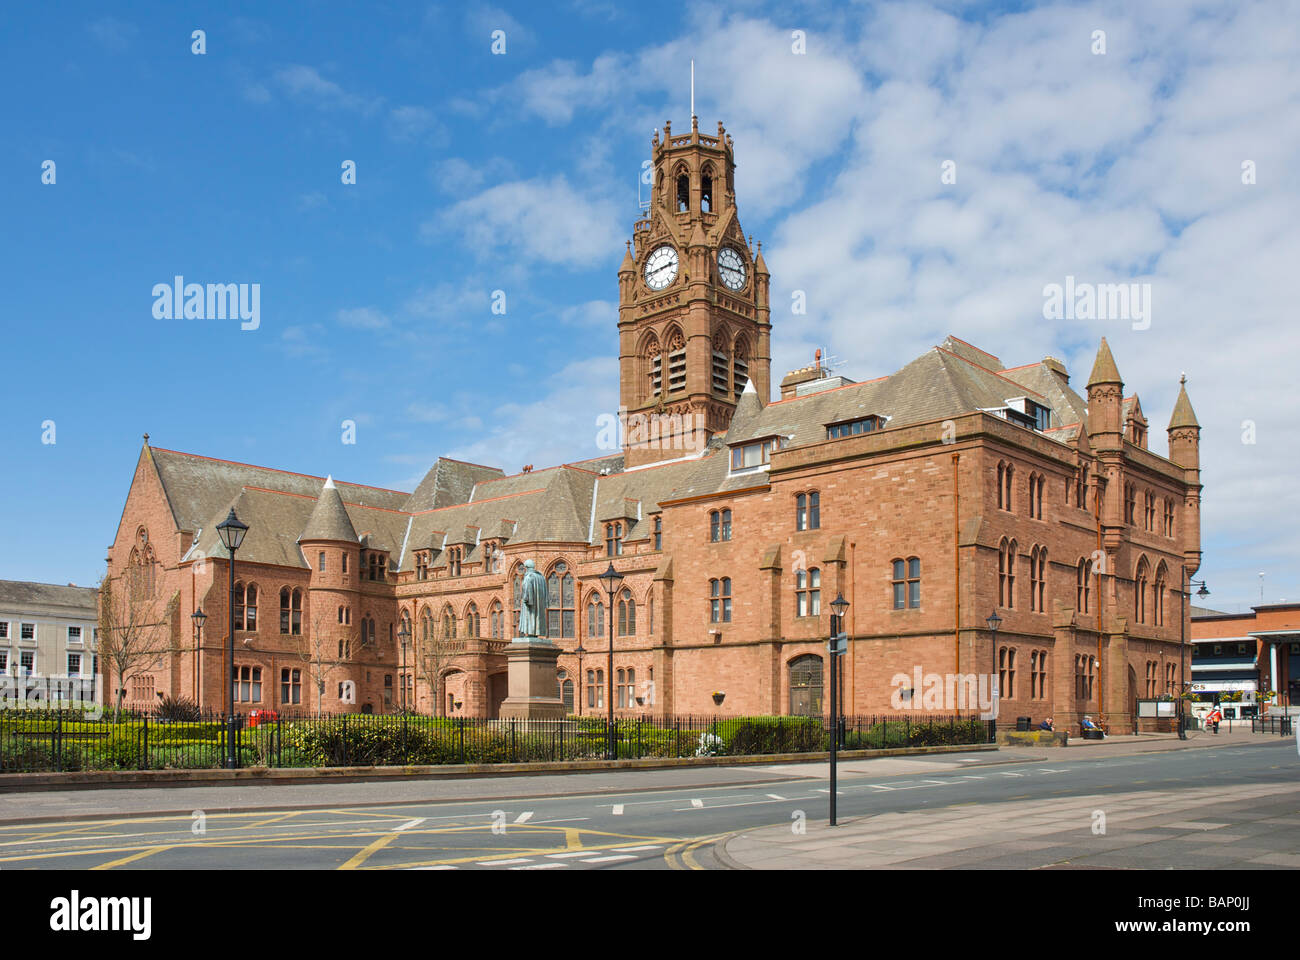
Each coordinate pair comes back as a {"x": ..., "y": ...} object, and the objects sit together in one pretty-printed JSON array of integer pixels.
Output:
[
  {"x": 994, "y": 622},
  {"x": 836, "y": 647},
  {"x": 580, "y": 652},
  {"x": 611, "y": 578},
  {"x": 197, "y": 618},
  {"x": 404, "y": 635},
  {"x": 1188, "y": 583},
  {"x": 232, "y": 532}
]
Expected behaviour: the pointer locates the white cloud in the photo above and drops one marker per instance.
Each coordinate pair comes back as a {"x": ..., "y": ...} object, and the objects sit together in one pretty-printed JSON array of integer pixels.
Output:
[
  {"x": 558, "y": 427},
  {"x": 363, "y": 318},
  {"x": 307, "y": 85},
  {"x": 543, "y": 220},
  {"x": 411, "y": 122},
  {"x": 113, "y": 34}
]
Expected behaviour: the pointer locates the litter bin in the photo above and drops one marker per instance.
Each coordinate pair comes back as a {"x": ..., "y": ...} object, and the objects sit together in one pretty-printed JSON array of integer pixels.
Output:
[{"x": 1022, "y": 723}]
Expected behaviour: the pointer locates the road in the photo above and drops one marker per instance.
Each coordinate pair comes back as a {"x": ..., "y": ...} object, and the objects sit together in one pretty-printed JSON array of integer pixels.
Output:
[{"x": 641, "y": 824}]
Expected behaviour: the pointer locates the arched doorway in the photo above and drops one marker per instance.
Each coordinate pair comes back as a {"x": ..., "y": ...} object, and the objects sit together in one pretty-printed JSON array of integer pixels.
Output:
[{"x": 806, "y": 686}]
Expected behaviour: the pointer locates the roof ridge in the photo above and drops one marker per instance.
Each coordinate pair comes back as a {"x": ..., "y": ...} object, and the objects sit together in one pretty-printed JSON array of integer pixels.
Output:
[
  {"x": 470, "y": 463},
  {"x": 973, "y": 347},
  {"x": 818, "y": 393},
  {"x": 292, "y": 473},
  {"x": 986, "y": 369},
  {"x": 308, "y": 496},
  {"x": 452, "y": 506}
]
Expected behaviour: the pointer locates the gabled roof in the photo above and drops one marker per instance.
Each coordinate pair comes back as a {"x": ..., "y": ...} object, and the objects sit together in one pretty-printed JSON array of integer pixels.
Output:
[
  {"x": 448, "y": 482},
  {"x": 199, "y": 488}
]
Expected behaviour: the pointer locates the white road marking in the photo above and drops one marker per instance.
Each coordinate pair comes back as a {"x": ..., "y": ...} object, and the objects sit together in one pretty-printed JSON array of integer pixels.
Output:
[
  {"x": 609, "y": 859},
  {"x": 939, "y": 782},
  {"x": 540, "y": 866},
  {"x": 524, "y": 817},
  {"x": 503, "y": 863},
  {"x": 1005, "y": 774},
  {"x": 880, "y": 786},
  {"x": 409, "y": 824},
  {"x": 972, "y": 777},
  {"x": 441, "y": 866},
  {"x": 653, "y": 846},
  {"x": 571, "y": 853},
  {"x": 697, "y": 803},
  {"x": 618, "y": 810},
  {"x": 776, "y": 796}
]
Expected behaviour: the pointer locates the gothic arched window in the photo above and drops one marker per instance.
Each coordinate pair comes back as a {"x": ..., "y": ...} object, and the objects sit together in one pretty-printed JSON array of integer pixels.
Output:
[
  {"x": 683, "y": 193},
  {"x": 595, "y": 618},
  {"x": 706, "y": 190},
  {"x": 471, "y": 620},
  {"x": 626, "y": 615},
  {"x": 559, "y": 613}
]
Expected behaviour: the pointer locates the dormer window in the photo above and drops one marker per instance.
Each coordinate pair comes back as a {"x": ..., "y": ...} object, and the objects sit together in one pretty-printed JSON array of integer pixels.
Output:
[
  {"x": 847, "y": 428},
  {"x": 1026, "y": 413},
  {"x": 422, "y": 566},
  {"x": 755, "y": 454},
  {"x": 454, "y": 556}
]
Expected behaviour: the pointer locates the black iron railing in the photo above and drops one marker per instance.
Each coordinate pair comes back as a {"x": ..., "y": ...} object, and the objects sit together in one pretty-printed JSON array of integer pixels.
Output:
[{"x": 48, "y": 740}]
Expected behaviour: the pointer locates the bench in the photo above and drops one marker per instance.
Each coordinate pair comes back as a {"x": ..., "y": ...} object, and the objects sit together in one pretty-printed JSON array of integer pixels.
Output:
[{"x": 1094, "y": 735}]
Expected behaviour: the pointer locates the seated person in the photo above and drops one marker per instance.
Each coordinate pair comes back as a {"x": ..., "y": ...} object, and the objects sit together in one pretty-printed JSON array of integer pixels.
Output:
[
  {"x": 1088, "y": 725},
  {"x": 1046, "y": 724}
]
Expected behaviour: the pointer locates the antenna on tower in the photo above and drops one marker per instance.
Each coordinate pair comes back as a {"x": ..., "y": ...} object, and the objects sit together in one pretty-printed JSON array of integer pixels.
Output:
[
  {"x": 826, "y": 361},
  {"x": 692, "y": 89}
]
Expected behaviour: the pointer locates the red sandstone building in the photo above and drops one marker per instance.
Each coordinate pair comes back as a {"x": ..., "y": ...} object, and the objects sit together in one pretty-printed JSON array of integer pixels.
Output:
[{"x": 929, "y": 498}]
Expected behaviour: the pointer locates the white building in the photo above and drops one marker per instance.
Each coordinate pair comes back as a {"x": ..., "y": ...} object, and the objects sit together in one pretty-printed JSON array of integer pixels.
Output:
[{"x": 48, "y": 641}]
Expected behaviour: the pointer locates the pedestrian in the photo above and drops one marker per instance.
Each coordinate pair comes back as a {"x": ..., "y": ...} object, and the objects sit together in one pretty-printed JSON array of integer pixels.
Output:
[{"x": 1213, "y": 719}]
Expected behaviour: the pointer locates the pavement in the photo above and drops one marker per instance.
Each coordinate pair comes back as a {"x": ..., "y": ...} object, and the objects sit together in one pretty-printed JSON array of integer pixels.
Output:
[{"x": 1250, "y": 825}]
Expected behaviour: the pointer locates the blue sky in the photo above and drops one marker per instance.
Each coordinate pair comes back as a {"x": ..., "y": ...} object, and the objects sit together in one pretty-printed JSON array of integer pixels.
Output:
[{"x": 478, "y": 172}]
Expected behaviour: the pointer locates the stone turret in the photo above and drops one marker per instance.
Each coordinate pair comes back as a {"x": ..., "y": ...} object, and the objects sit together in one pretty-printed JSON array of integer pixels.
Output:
[
  {"x": 1185, "y": 450},
  {"x": 1105, "y": 401}
]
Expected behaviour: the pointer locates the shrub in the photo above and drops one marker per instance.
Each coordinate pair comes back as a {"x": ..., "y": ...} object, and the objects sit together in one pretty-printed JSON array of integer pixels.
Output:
[
  {"x": 178, "y": 709},
  {"x": 761, "y": 735}
]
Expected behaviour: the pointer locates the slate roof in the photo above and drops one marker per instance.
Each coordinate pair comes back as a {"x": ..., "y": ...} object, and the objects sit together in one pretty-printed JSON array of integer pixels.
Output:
[
  {"x": 25, "y": 594},
  {"x": 464, "y": 503},
  {"x": 329, "y": 519},
  {"x": 199, "y": 488}
]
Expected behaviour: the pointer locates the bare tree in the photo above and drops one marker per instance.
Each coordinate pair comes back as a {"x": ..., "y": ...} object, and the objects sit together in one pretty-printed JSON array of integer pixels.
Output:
[
  {"x": 324, "y": 648},
  {"x": 134, "y": 629},
  {"x": 433, "y": 655}
]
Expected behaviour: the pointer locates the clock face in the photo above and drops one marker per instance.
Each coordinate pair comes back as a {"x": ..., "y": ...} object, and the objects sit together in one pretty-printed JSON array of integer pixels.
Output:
[
  {"x": 661, "y": 267},
  {"x": 731, "y": 268}
]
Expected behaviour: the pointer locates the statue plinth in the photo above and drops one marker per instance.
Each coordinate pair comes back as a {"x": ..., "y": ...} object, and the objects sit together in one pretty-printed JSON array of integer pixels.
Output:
[{"x": 533, "y": 690}]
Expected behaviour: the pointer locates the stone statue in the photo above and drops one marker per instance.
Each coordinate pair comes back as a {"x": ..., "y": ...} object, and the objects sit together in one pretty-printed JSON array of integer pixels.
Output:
[{"x": 532, "y": 603}]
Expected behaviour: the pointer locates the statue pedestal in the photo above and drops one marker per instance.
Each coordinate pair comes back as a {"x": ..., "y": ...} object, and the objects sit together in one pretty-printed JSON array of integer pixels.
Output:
[{"x": 532, "y": 692}]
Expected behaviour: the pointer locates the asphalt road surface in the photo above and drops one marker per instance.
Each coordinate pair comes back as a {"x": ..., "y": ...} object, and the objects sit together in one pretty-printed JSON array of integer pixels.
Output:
[{"x": 644, "y": 826}]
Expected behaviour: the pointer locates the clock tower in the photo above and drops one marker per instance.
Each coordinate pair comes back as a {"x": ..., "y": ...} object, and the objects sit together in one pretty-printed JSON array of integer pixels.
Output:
[{"x": 693, "y": 315}]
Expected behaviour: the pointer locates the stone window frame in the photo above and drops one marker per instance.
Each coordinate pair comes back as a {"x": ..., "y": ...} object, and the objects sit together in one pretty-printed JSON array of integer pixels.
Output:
[
  {"x": 720, "y": 600},
  {"x": 807, "y": 593}
]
